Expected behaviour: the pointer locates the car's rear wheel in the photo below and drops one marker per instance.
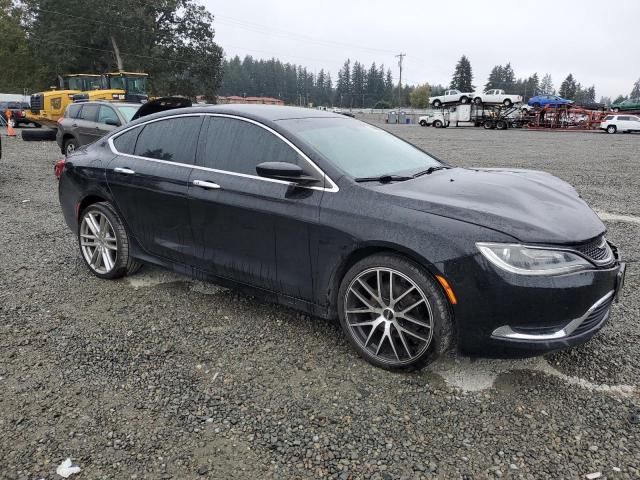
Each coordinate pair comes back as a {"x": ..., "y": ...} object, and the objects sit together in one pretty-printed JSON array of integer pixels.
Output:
[
  {"x": 616, "y": 110},
  {"x": 507, "y": 102},
  {"x": 104, "y": 242},
  {"x": 437, "y": 104},
  {"x": 70, "y": 146},
  {"x": 464, "y": 99},
  {"x": 423, "y": 123},
  {"x": 477, "y": 101},
  {"x": 611, "y": 129},
  {"x": 488, "y": 125},
  {"x": 502, "y": 125},
  {"x": 394, "y": 313}
]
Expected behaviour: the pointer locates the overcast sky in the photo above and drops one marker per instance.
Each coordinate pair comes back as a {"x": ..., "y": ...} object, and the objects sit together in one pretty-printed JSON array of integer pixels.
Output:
[{"x": 598, "y": 41}]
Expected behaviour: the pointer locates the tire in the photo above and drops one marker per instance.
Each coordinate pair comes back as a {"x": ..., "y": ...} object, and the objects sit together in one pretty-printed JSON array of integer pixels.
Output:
[
  {"x": 70, "y": 146},
  {"x": 616, "y": 109},
  {"x": 45, "y": 135},
  {"x": 507, "y": 102},
  {"x": 437, "y": 124},
  {"x": 437, "y": 104},
  {"x": 113, "y": 258},
  {"x": 488, "y": 125},
  {"x": 502, "y": 125},
  {"x": 464, "y": 100},
  {"x": 477, "y": 101},
  {"x": 416, "y": 292},
  {"x": 423, "y": 123},
  {"x": 612, "y": 129}
]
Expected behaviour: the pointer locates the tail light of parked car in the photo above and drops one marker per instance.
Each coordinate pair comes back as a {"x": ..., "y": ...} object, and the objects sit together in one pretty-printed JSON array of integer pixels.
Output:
[{"x": 59, "y": 167}]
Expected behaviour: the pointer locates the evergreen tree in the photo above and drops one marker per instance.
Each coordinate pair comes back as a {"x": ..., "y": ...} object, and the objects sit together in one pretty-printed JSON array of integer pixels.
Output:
[
  {"x": 635, "y": 92},
  {"x": 546, "y": 85},
  {"x": 496, "y": 78},
  {"x": 568, "y": 88},
  {"x": 343, "y": 87},
  {"x": 419, "y": 97},
  {"x": 620, "y": 98},
  {"x": 463, "y": 76},
  {"x": 509, "y": 78}
]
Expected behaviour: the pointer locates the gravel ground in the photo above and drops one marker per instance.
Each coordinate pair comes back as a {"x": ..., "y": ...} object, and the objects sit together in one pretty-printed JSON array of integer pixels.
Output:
[{"x": 158, "y": 376}]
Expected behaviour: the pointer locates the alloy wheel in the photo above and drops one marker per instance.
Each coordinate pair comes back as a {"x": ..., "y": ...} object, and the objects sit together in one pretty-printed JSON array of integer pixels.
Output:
[
  {"x": 70, "y": 148},
  {"x": 98, "y": 242},
  {"x": 389, "y": 316}
]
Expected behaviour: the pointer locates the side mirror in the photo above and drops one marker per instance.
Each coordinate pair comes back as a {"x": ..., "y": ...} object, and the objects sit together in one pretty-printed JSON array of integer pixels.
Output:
[
  {"x": 288, "y": 172},
  {"x": 112, "y": 121}
]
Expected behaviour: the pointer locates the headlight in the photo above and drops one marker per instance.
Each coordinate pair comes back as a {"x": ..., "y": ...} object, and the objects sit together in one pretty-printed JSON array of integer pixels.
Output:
[{"x": 526, "y": 260}]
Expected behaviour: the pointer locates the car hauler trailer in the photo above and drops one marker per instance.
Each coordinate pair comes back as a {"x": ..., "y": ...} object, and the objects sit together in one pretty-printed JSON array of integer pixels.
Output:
[{"x": 498, "y": 117}]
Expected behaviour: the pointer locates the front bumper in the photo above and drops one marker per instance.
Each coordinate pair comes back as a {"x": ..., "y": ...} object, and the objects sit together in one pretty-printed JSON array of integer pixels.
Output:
[{"x": 502, "y": 313}]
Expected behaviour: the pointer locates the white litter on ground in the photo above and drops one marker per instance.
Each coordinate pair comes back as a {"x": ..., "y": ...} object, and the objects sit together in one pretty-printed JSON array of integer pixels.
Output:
[
  {"x": 480, "y": 374},
  {"x": 66, "y": 469},
  {"x": 614, "y": 217}
]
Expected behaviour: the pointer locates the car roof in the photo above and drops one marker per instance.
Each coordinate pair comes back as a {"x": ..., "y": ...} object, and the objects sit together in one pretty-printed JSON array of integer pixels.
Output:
[
  {"x": 106, "y": 102},
  {"x": 262, "y": 113}
]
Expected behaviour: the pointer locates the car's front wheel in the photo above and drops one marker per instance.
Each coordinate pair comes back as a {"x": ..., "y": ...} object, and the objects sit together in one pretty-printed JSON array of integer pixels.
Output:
[
  {"x": 104, "y": 242},
  {"x": 464, "y": 100},
  {"x": 437, "y": 104},
  {"x": 611, "y": 129},
  {"x": 394, "y": 313}
]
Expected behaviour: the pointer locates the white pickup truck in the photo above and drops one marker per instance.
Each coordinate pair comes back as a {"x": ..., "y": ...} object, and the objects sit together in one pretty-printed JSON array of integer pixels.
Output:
[
  {"x": 450, "y": 96},
  {"x": 496, "y": 96}
]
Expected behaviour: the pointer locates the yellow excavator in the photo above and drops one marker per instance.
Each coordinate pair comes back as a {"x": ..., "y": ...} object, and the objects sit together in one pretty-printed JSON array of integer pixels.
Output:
[{"x": 47, "y": 107}]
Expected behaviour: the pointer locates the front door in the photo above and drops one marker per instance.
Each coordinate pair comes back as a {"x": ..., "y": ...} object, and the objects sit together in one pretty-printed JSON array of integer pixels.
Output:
[
  {"x": 149, "y": 181},
  {"x": 247, "y": 228}
]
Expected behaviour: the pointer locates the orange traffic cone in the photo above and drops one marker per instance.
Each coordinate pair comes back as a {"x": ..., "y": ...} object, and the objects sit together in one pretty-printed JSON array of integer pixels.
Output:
[{"x": 10, "y": 131}]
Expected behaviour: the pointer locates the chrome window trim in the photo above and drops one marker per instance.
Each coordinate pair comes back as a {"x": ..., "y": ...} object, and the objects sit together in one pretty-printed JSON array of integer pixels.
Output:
[{"x": 332, "y": 185}]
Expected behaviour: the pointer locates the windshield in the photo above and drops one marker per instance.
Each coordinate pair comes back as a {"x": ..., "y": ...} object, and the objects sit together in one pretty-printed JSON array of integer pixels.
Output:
[
  {"x": 128, "y": 111},
  {"x": 137, "y": 84},
  {"x": 359, "y": 149}
]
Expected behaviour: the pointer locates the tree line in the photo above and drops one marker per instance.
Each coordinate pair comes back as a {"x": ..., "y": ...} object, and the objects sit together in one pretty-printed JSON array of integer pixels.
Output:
[{"x": 171, "y": 40}]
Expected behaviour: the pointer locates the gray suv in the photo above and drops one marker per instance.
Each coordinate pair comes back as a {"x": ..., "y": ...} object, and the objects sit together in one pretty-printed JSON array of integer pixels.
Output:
[{"x": 86, "y": 122}]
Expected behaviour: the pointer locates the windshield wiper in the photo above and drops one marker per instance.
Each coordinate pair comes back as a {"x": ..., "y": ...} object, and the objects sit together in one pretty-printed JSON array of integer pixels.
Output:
[
  {"x": 384, "y": 179},
  {"x": 429, "y": 171}
]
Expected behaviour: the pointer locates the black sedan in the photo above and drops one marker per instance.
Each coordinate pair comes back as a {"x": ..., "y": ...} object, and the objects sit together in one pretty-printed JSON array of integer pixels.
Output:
[{"x": 338, "y": 218}]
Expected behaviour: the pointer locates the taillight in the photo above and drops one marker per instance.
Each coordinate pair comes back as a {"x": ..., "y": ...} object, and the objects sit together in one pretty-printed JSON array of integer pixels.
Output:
[{"x": 59, "y": 167}]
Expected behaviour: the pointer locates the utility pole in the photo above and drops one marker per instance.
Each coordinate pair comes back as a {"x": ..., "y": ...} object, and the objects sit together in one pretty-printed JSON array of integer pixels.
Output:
[{"x": 400, "y": 56}]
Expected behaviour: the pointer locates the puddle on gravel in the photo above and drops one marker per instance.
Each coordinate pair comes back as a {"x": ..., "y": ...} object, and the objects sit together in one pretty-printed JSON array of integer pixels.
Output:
[
  {"x": 477, "y": 374},
  {"x": 152, "y": 277}
]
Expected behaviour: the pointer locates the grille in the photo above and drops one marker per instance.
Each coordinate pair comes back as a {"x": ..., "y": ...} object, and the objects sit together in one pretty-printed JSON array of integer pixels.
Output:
[
  {"x": 594, "y": 318},
  {"x": 37, "y": 102},
  {"x": 597, "y": 250}
]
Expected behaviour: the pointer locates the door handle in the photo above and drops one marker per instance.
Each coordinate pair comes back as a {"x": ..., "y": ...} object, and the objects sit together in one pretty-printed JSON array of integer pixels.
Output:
[
  {"x": 207, "y": 185},
  {"x": 126, "y": 171}
]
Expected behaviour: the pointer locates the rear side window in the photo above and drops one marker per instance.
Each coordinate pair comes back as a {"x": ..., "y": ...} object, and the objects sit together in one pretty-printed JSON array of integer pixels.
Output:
[
  {"x": 126, "y": 143},
  {"x": 238, "y": 146},
  {"x": 89, "y": 112},
  {"x": 624, "y": 118},
  {"x": 73, "y": 111},
  {"x": 173, "y": 140}
]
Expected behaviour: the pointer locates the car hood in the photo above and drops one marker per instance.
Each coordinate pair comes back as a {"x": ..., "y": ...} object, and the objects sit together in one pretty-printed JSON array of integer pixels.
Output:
[{"x": 528, "y": 205}]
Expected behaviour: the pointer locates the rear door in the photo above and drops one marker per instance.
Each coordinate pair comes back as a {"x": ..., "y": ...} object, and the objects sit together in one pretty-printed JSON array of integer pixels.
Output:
[
  {"x": 85, "y": 124},
  {"x": 247, "y": 228},
  {"x": 149, "y": 180}
]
